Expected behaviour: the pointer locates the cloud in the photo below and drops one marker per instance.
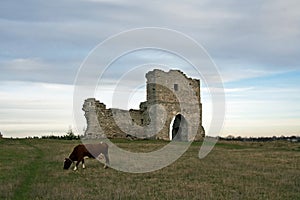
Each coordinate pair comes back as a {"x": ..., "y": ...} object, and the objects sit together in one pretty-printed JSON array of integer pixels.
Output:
[
  {"x": 254, "y": 44},
  {"x": 34, "y": 109},
  {"x": 37, "y": 70},
  {"x": 256, "y": 35}
]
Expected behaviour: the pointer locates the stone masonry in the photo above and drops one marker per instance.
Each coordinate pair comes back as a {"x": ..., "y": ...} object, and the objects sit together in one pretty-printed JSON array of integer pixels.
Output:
[{"x": 172, "y": 111}]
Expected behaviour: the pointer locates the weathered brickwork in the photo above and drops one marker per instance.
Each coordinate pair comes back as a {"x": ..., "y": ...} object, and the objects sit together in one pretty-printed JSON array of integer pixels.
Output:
[{"x": 173, "y": 110}]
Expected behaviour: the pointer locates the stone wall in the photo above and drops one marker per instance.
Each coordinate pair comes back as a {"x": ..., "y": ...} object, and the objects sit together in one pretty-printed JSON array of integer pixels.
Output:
[{"x": 168, "y": 94}]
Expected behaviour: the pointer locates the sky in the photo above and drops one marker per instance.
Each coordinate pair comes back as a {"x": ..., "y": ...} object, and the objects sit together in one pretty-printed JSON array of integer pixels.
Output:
[{"x": 254, "y": 44}]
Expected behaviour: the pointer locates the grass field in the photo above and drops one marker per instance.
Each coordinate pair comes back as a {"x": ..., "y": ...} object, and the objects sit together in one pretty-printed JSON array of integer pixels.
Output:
[{"x": 32, "y": 169}]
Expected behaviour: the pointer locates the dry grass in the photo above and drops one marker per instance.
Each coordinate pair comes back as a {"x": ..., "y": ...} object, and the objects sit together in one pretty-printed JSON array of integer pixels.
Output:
[{"x": 233, "y": 170}]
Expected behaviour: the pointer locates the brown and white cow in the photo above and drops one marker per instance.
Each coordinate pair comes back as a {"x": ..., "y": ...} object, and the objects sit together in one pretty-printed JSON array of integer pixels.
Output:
[{"x": 87, "y": 150}]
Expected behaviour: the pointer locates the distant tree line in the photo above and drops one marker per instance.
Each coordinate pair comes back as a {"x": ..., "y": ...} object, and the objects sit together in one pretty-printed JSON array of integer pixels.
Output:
[
  {"x": 261, "y": 139},
  {"x": 69, "y": 136},
  {"x": 64, "y": 137}
]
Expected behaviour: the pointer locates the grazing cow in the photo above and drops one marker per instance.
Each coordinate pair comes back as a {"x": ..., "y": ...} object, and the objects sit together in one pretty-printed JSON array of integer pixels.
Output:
[{"x": 87, "y": 150}]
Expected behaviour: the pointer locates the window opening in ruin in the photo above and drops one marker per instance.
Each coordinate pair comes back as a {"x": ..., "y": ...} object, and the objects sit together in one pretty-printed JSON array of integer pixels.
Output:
[
  {"x": 142, "y": 121},
  {"x": 176, "y": 87}
]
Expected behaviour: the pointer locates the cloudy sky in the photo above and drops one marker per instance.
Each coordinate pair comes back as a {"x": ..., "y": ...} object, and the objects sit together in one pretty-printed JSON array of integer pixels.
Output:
[{"x": 255, "y": 45}]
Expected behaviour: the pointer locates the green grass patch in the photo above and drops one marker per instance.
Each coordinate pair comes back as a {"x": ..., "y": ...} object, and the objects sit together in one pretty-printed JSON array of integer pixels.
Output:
[
  {"x": 231, "y": 145},
  {"x": 32, "y": 169}
]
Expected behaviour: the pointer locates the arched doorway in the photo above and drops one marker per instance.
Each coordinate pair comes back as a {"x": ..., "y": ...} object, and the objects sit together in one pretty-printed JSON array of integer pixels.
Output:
[{"x": 178, "y": 128}]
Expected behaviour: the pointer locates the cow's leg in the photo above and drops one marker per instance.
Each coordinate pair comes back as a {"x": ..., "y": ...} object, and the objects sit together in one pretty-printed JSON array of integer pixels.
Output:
[
  {"x": 106, "y": 160},
  {"x": 75, "y": 168},
  {"x": 77, "y": 163},
  {"x": 83, "y": 166}
]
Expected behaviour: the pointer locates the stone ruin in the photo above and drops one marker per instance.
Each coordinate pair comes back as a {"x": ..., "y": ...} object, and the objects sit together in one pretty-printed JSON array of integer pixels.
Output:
[{"x": 172, "y": 111}]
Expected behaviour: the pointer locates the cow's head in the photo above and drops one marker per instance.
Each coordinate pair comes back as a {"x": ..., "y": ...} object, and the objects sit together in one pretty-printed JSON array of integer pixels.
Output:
[{"x": 67, "y": 163}]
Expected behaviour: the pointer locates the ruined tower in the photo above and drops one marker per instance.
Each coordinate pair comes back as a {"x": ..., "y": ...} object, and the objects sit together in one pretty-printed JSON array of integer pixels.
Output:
[{"x": 172, "y": 111}]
